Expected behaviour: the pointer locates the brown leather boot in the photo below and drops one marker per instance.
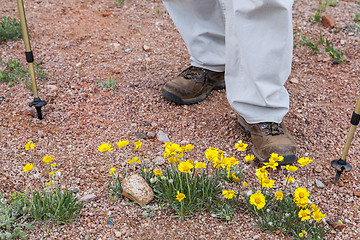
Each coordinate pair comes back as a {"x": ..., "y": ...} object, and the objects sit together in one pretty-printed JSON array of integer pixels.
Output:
[
  {"x": 193, "y": 85},
  {"x": 270, "y": 137}
]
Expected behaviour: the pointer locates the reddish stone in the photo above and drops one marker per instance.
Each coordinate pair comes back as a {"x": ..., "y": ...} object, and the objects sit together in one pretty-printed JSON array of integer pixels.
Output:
[
  {"x": 357, "y": 194},
  {"x": 328, "y": 21}
]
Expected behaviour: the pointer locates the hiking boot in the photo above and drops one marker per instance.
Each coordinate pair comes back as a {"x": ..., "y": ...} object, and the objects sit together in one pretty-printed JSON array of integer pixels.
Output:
[
  {"x": 270, "y": 137},
  {"x": 193, "y": 85}
]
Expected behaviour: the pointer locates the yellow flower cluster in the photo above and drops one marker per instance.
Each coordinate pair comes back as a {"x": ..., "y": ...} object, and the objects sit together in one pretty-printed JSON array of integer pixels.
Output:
[
  {"x": 317, "y": 215},
  {"x": 228, "y": 194},
  {"x": 29, "y": 146},
  {"x": 134, "y": 160},
  {"x": 186, "y": 167},
  {"x": 174, "y": 151}
]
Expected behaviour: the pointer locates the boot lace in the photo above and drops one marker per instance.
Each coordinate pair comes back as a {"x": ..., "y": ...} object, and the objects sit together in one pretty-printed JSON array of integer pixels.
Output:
[
  {"x": 194, "y": 73},
  {"x": 272, "y": 129}
]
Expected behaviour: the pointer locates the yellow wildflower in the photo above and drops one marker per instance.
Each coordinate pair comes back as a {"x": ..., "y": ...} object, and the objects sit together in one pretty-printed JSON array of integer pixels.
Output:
[
  {"x": 189, "y": 147},
  {"x": 290, "y": 179},
  {"x": 173, "y": 159},
  {"x": 271, "y": 164},
  {"x": 257, "y": 199},
  {"x": 304, "y": 214},
  {"x": 228, "y": 194},
  {"x": 291, "y": 168},
  {"x": 279, "y": 195},
  {"x": 266, "y": 183},
  {"x": 134, "y": 160},
  {"x": 301, "y": 197},
  {"x": 314, "y": 208},
  {"x": 303, "y": 234},
  {"x": 261, "y": 172},
  {"x": 105, "y": 147},
  {"x": 51, "y": 173},
  {"x": 240, "y": 146},
  {"x": 304, "y": 161},
  {"x": 53, "y": 164},
  {"x": 122, "y": 144},
  {"x": 245, "y": 184},
  {"x": 138, "y": 144},
  {"x": 47, "y": 159},
  {"x": 276, "y": 158},
  {"x": 180, "y": 196},
  {"x": 200, "y": 165},
  {"x": 158, "y": 172},
  {"x": 250, "y": 157},
  {"x": 112, "y": 171},
  {"x": 29, "y": 146},
  {"x": 28, "y": 167},
  {"x": 317, "y": 216},
  {"x": 48, "y": 183},
  {"x": 185, "y": 167},
  {"x": 212, "y": 154}
]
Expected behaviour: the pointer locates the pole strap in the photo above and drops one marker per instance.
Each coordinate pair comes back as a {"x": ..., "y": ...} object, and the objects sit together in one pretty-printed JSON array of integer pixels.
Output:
[
  {"x": 355, "y": 119},
  {"x": 29, "y": 57}
]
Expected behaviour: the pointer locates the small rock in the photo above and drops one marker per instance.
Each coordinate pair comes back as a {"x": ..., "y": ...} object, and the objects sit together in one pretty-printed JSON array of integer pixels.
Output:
[
  {"x": 146, "y": 48},
  {"x": 319, "y": 183},
  {"x": 138, "y": 188},
  {"x": 52, "y": 87},
  {"x": 328, "y": 21},
  {"x": 106, "y": 14},
  {"x": 41, "y": 133},
  {"x": 342, "y": 42},
  {"x": 278, "y": 231},
  {"x": 257, "y": 237},
  {"x": 133, "y": 125},
  {"x": 140, "y": 135},
  {"x": 341, "y": 184},
  {"x": 127, "y": 49},
  {"x": 294, "y": 80},
  {"x": 163, "y": 137},
  {"x": 159, "y": 160},
  {"x": 151, "y": 135},
  {"x": 118, "y": 234},
  {"x": 88, "y": 197},
  {"x": 318, "y": 169},
  {"x": 356, "y": 194}
]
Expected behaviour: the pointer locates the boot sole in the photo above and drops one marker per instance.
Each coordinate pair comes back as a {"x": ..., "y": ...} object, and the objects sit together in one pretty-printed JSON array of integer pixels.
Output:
[
  {"x": 288, "y": 159},
  {"x": 172, "y": 97}
]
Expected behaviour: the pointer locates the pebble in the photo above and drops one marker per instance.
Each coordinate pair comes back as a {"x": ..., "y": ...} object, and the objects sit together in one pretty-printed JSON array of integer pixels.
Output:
[
  {"x": 294, "y": 80},
  {"x": 88, "y": 197},
  {"x": 357, "y": 194},
  {"x": 159, "y": 160},
  {"x": 318, "y": 169},
  {"x": 319, "y": 183},
  {"x": 140, "y": 135},
  {"x": 118, "y": 234},
  {"x": 151, "y": 135},
  {"x": 127, "y": 49},
  {"x": 163, "y": 137},
  {"x": 146, "y": 48}
]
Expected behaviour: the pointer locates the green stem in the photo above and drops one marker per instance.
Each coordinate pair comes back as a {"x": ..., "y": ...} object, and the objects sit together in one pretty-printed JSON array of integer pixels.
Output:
[{"x": 187, "y": 181}]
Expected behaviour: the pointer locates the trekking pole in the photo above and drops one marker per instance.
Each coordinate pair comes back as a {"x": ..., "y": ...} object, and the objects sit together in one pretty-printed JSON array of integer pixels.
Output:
[
  {"x": 340, "y": 165},
  {"x": 37, "y": 103}
]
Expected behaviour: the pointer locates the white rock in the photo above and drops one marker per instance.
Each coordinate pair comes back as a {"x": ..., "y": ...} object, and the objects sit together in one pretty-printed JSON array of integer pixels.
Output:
[
  {"x": 319, "y": 183},
  {"x": 163, "y": 137},
  {"x": 88, "y": 197}
]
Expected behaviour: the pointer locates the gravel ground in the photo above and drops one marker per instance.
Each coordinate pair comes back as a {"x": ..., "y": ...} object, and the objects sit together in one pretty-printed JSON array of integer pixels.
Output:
[{"x": 78, "y": 42}]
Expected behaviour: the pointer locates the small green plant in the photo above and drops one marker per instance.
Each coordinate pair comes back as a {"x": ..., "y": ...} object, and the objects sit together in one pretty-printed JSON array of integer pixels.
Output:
[
  {"x": 313, "y": 46},
  {"x": 335, "y": 54},
  {"x": 333, "y": 3},
  {"x": 13, "y": 217},
  {"x": 12, "y": 72},
  {"x": 57, "y": 204},
  {"x": 10, "y": 29},
  {"x": 119, "y": 3},
  {"x": 51, "y": 202},
  {"x": 357, "y": 17},
  {"x": 284, "y": 209},
  {"x": 110, "y": 84}
]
